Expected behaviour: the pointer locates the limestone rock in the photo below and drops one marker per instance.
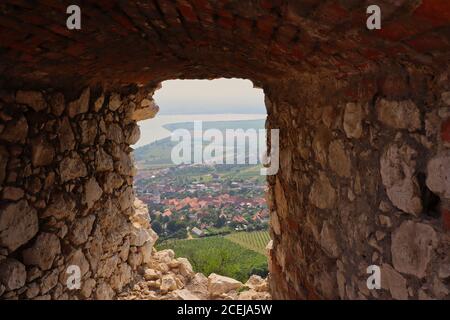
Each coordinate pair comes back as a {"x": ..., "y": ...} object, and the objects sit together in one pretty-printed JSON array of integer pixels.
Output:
[
  {"x": 151, "y": 274},
  {"x": 328, "y": 240},
  {"x": 12, "y": 193},
  {"x": 92, "y": 192},
  {"x": 399, "y": 114},
  {"x": 322, "y": 193},
  {"x": 199, "y": 286},
  {"x": 124, "y": 166},
  {"x": 81, "y": 229},
  {"x": 352, "y": 123},
  {"x": 57, "y": 104},
  {"x": 147, "y": 110},
  {"x": 114, "y": 101},
  {"x": 66, "y": 137},
  {"x": 60, "y": 207},
  {"x": 114, "y": 133},
  {"x": 72, "y": 167},
  {"x": 398, "y": 176},
  {"x": 103, "y": 161},
  {"x": 168, "y": 283},
  {"x": 99, "y": 103},
  {"x": 81, "y": 105},
  {"x": 43, "y": 252},
  {"x": 218, "y": 285},
  {"x": 42, "y": 152},
  {"x": 87, "y": 288},
  {"x": 49, "y": 281},
  {"x": 257, "y": 283},
  {"x": 394, "y": 282},
  {"x": 15, "y": 130},
  {"x": 412, "y": 247},
  {"x": 104, "y": 292},
  {"x": 112, "y": 181},
  {"x": 133, "y": 133},
  {"x": 321, "y": 141},
  {"x": 121, "y": 277},
  {"x": 18, "y": 224},
  {"x": 88, "y": 131},
  {"x": 12, "y": 274},
  {"x": 185, "y": 294},
  {"x": 438, "y": 175},
  {"x": 33, "y": 99},
  {"x": 339, "y": 160},
  {"x": 185, "y": 268}
]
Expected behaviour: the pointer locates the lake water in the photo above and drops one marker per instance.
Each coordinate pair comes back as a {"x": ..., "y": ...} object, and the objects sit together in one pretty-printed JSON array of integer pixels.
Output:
[{"x": 153, "y": 130}]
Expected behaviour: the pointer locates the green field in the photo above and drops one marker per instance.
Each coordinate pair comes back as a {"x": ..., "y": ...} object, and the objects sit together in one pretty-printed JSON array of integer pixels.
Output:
[
  {"x": 255, "y": 241},
  {"x": 219, "y": 255}
]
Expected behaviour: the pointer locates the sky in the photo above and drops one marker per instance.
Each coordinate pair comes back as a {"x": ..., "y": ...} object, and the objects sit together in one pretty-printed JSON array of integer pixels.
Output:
[{"x": 209, "y": 97}]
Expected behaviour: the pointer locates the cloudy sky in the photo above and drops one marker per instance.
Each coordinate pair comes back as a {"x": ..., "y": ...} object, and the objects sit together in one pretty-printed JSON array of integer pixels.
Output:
[{"x": 209, "y": 96}]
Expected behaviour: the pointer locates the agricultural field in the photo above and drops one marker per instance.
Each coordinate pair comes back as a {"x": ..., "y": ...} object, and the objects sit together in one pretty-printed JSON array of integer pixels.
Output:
[
  {"x": 219, "y": 255},
  {"x": 255, "y": 241}
]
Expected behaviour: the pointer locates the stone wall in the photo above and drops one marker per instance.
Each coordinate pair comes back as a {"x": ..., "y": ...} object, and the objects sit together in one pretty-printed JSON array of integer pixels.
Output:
[
  {"x": 363, "y": 180},
  {"x": 66, "y": 194}
]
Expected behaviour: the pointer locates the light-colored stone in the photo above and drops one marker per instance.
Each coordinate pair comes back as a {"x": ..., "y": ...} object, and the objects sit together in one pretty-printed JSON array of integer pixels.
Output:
[
  {"x": 61, "y": 206},
  {"x": 33, "y": 99},
  {"x": 353, "y": 117},
  {"x": 104, "y": 292},
  {"x": 49, "y": 281},
  {"x": 412, "y": 247},
  {"x": 399, "y": 114},
  {"x": 42, "y": 152},
  {"x": 328, "y": 240},
  {"x": 12, "y": 193},
  {"x": 66, "y": 137},
  {"x": 72, "y": 167},
  {"x": 12, "y": 274},
  {"x": 322, "y": 194},
  {"x": 147, "y": 110},
  {"x": 81, "y": 229},
  {"x": 257, "y": 283},
  {"x": 18, "y": 224},
  {"x": 218, "y": 284},
  {"x": 338, "y": 159},
  {"x": 103, "y": 161},
  {"x": 121, "y": 277},
  {"x": 185, "y": 268},
  {"x": 114, "y": 101},
  {"x": 80, "y": 105},
  {"x": 168, "y": 283},
  {"x": 438, "y": 175},
  {"x": 87, "y": 288},
  {"x": 43, "y": 252},
  {"x": 112, "y": 181},
  {"x": 398, "y": 175},
  {"x": 133, "y": 133},
  {"x": 88, "y": 131},
  {"x": 92, "y": 192},
  {"x": 394, "y": 282}
]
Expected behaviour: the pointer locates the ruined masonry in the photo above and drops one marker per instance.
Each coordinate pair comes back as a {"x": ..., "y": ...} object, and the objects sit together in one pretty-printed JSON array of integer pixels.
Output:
[{"x": 364, "y": 119}]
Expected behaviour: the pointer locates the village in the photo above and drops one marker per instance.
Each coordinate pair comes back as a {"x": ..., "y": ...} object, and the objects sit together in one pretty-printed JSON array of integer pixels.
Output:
[{"x": 202, "y": 200}]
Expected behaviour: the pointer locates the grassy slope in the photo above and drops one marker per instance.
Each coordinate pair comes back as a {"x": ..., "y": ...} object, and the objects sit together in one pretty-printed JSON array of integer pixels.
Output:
[
  {"x": 256, "y": 241},
  {"x": 218, "y": 255}
]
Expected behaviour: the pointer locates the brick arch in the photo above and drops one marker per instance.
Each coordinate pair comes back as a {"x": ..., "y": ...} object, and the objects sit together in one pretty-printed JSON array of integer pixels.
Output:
[{"x": 362, "y": 115}]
